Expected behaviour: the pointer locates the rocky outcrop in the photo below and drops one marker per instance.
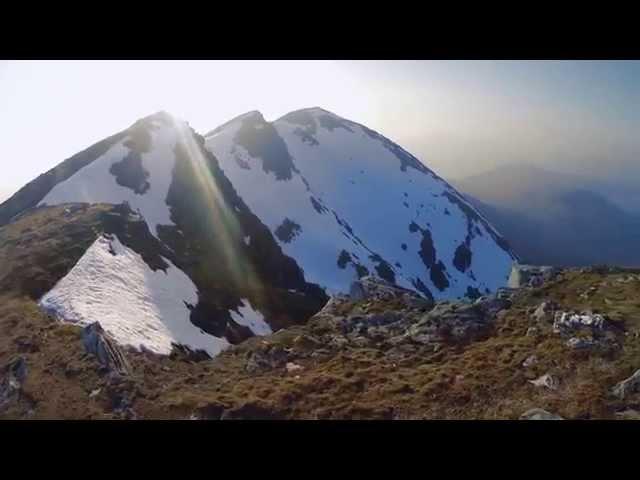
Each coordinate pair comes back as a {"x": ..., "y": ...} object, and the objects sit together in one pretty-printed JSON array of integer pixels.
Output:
[
  {"x": 567, "y": 322},
  {"x": 545, "y": 312},
  {"x": 375, "y": 288},
  {"x": 15, "y": 373},
  {"x": 110, "y": 356},
  {"x": 627, "y": 387}
]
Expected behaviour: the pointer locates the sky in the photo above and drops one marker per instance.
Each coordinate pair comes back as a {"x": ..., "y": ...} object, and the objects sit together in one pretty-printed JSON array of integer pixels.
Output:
[{"x": 459, "y": 117}]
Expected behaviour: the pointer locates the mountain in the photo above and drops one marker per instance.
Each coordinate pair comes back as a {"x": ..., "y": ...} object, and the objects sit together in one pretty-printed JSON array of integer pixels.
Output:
[
  {"x": 555, "y": 219},
  {"x": 344, "y": 201},
  {"x": 183, "y": 260},
  {"x": 176, "y": 241}
]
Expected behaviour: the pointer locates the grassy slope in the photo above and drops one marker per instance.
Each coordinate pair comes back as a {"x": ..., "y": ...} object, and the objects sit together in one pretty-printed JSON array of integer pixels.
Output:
[{"x": 484, "y": 379}]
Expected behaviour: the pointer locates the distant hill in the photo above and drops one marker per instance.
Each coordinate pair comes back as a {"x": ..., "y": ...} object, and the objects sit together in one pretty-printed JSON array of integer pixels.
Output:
[{"x": 553, "y": 218}]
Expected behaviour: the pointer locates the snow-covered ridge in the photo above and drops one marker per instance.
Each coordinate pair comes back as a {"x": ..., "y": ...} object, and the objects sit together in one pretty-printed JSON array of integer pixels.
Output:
[
  {"x": 342, "y": 199},
  {"x": 97, "y": 182},
  {"x": 139, "y": 307}
]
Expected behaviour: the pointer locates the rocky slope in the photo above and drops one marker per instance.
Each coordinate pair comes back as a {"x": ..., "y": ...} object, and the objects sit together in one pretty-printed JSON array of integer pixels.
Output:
[{"x": 566, "y": 349}]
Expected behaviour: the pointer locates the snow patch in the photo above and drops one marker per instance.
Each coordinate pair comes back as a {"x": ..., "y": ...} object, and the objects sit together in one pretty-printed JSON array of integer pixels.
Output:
[
  {"x": 137, "y": 306},
  {"x": 371, "y": 210},
  {"x": 251, "y": 319},
  {"x": 95, "y": 183}
]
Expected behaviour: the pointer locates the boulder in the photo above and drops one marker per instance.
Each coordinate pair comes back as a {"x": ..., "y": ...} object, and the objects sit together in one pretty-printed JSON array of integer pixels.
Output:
[
  {"x": 627, "y": 387},
  {"x": 293, "y": 367},
  {"x": 546, "y": 381},
  {"x": 545, "y": 312},
  {"x": 456, "y": 322},
  {"x": 110, "y": 356},
  {"x": 567, "y": 322},
  {"x": 15, "y": 374},
  {"x": 375, "y": 288}
]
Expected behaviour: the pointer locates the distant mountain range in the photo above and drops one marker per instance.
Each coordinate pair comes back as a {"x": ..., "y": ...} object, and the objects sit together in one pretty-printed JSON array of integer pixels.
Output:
[{"x": 555, "y": 218}]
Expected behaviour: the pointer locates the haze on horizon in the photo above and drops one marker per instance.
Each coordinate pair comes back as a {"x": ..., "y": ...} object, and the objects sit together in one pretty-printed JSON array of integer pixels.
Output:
[{"x": 461, "y": 118}]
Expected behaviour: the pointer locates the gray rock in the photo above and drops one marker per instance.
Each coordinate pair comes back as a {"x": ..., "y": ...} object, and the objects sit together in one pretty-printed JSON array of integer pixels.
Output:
[
  {"x": 581, "y": 343},
  {"x": 267, "y": 359},
  {"x": 110, "y": 356},
  {"x": 530, "y": 275},
  {"x": 452, "y": 321},
  {"x": 568, "y": 322},
  {"x": 15, "y": 374},
  {"x": 530, "y": 361},
  {"x": 544, "y": 313},
  {"x": 546, "y": 381},
  {"x": 293, "y": 367},
  {"x": 539, "y": 414},
  {"x": 627, "y": 387}
]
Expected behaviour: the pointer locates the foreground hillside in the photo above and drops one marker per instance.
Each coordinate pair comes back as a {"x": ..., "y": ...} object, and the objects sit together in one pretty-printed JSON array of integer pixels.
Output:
[{"x": 383, "y": 353}]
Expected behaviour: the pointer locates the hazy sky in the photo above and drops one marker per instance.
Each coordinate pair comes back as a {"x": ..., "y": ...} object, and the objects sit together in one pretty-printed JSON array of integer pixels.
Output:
[{"x": 459, "y": 118}]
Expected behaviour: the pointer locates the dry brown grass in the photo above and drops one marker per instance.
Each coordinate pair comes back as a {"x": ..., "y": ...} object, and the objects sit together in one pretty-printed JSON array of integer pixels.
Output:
[{"x": 482, "y": 380}]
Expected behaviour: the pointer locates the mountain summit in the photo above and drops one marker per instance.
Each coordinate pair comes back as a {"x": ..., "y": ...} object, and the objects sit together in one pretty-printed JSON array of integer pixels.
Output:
[
  {"x": 344, "y": 201},
  {"x": 169, "y": 239}
]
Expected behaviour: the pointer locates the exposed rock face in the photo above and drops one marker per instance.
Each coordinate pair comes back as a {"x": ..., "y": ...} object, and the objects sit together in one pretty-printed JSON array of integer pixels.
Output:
[
  {"x": 545, "y": 312},
  {"x": 109, "y": 354},
  {"x": 15, "y": 373},
  {"x": 627, "y": 387},
  {"x": 565, "y": 322},
  {"x": 414, "y": 320},
  {"x": 375, "y": 288}
]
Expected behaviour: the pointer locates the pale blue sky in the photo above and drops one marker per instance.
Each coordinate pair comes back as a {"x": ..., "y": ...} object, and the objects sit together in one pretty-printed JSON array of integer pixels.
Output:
[{"x": 460, "y": 117}]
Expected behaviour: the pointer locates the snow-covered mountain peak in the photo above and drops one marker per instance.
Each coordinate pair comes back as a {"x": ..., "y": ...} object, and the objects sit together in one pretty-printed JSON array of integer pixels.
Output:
[
  {"x": 344, "y": 200},
  {"x": 253, "y": 116},
  {"x": 264, "y": 220}
]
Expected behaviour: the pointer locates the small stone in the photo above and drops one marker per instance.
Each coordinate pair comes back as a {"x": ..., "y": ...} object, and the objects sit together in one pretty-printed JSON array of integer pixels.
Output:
[
  {"x": 546, "y": 381},
  {"x": 530, "y": 361},
  {"x": 532, "y": 331},
  {"x": 95, "y": 393}
]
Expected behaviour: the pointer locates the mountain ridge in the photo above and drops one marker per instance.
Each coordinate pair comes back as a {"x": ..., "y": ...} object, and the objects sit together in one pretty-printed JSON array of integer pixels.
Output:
[{"x": 257, "y": 259}]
